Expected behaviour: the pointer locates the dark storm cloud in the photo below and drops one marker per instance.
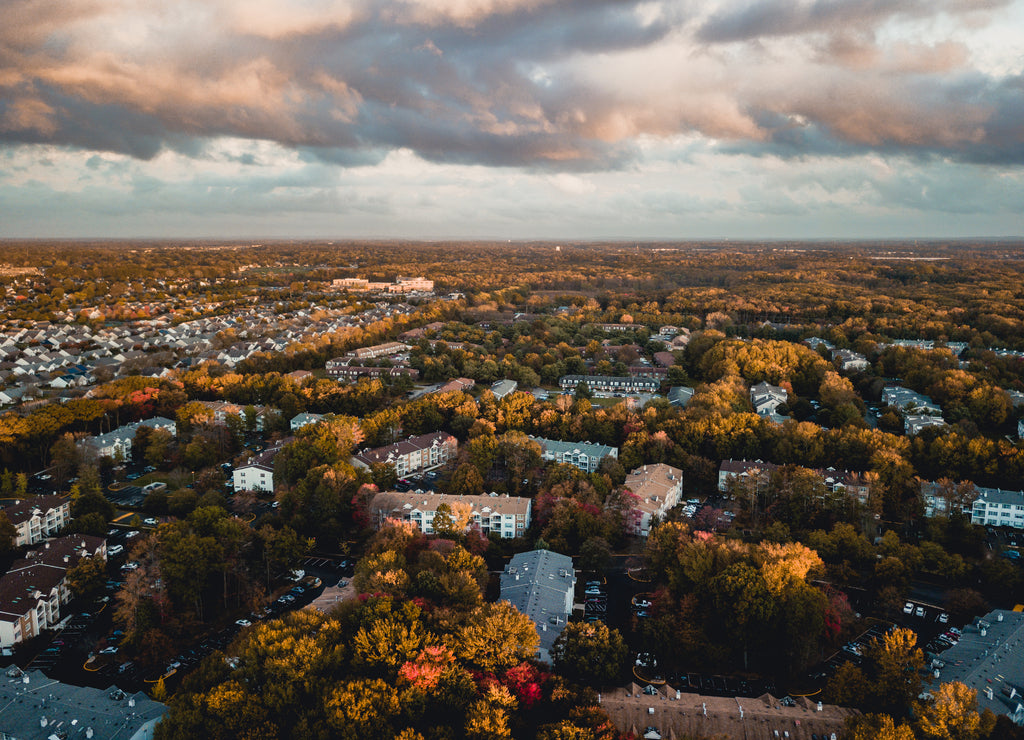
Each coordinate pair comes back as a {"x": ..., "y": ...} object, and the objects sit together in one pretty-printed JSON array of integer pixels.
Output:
[{"x": 530, "y": 83}]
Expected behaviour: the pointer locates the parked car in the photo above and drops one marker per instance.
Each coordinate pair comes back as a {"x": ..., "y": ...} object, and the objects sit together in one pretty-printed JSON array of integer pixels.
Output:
[
  {"x": 151, "y": 521},
  {"x": 133, "y": 533},
  {"x": 115, "y": 550},
  {"x": 243, "y": 623},
  {"x": 908, "y": 608},
  {"x": 919, "y": 612},
  {"x": 108, "y": 650}
]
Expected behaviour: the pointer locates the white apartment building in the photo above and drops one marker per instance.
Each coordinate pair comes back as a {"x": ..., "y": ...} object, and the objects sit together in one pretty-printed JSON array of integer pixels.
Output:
[
  {"x": 508, "y": 516},
  {"x": 998, "y": 508},
  {"x": 412, "y": 456},
  {"x": 38, "y": 518}
]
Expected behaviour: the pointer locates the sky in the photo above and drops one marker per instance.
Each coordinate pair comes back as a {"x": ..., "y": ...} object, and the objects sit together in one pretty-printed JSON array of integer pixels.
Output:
[{"x": 558, "y": 119}]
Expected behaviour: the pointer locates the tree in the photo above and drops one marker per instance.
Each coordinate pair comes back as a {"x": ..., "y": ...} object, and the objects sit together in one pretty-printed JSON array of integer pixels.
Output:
[
  {"x": 952, "y": 714},
  {"x": 876, "y": 727},
  {"x": 497, "y": 637},
  {"x": 893, "y": 666},
  {"x": 87, "y": 576},
  {"x": 8, "y": 534},
  {"x": 595, "y": 553},
  {"x": 742, "y": 598},
  {"x": 64, "y": 458},
  {"x": 589, "y": 652}
]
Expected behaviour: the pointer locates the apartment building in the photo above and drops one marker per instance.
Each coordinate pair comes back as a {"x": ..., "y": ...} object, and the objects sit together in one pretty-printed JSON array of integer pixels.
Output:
[
  {"x": 541, "y": 584},
  {"x": 414, "y": 455},
  {"x": 583, "y": 455},
  {"x": 33, "y": 591},
  {"x": 998, "y": 508},
  {"x": 38, "y": 518},
  {"x": 117, "y": 444},
  {"x": 658, "y": 488},
  {"x": 609, "y": 384},
  {"x": 377, "y": 350},
  {"x": 508, "y": 516}
]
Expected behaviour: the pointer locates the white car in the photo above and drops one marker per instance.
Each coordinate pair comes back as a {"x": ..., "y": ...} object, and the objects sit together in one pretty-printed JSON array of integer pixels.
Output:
[
  {"x": 908, "y": 608},
  {"x": 919, "y": 612},
  {"x": 151, "y": 522},
  {"x": 108, "y": 650},
  {"x": 115, "y": 550},
  {"x": 133, "y": 533},
  {"x": 243, "y": 623}
]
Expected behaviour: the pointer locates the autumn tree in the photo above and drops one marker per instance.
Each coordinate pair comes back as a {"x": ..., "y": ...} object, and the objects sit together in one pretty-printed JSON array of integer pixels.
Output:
[{"x": 589, "y": 652}]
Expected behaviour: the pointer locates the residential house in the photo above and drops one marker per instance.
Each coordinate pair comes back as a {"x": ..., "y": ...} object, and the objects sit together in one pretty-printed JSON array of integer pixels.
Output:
[
  {"x": 664, "y": 359},
  {"x": 909, "y": 401},
  {"x": 583, "y": 455},
  {"x": 463, "y": 385},
  {"x": 541, "y": 584},
  {"x": 257, "y": 474},
  {"x": 680, "y": 395},
  {"x": 37, "y": 707},
  {"x": 766, "y": 399},
  {"x": 815, "y": 342},
  {"x": 502, "y": 388},
  {"x": 914, "y": 423},
  {"x": 412, "y": 456},
  {"x": 847, "y": 360},
  {"x": 34, "y": 589},
  {"x": 507, "y": 516},
  {"x": 300, "y": 420},
  {"x": 658, "y": 488},
  {"x": 299, "y": 375},
  {"x": 743, "y": 470},
  {"x": 38, "y": 517}
]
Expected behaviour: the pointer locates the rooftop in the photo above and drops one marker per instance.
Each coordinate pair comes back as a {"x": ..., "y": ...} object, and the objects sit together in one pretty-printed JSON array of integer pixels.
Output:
[{"x": 35, "y": 707}]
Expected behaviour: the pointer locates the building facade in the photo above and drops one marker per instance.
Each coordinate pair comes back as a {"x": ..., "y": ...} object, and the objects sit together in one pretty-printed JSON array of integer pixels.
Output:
[
  {"x": 658, "y": 488},
  {"x": 412, "y": 456},
  {"x": 507, "y": 516},
  {"x": 34, "y": 589},
  {"x": 583, "y": 455},
  {"x": 609, "y": 384},
  {"x": 38, "y": 518}
]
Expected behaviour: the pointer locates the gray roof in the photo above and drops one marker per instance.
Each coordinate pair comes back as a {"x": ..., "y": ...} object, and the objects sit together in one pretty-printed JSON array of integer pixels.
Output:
[
  {"x": 999, "y": 496},
  {"x": 71, "y": 709},
  {"x": 537, "y": 584},
  {"x": 995, "y": 660},
  {"x": 559, "y": 447}
]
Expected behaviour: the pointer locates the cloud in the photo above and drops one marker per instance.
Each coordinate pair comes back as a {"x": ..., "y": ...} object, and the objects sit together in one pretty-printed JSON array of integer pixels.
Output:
[{"x": 568, "y": 86}]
